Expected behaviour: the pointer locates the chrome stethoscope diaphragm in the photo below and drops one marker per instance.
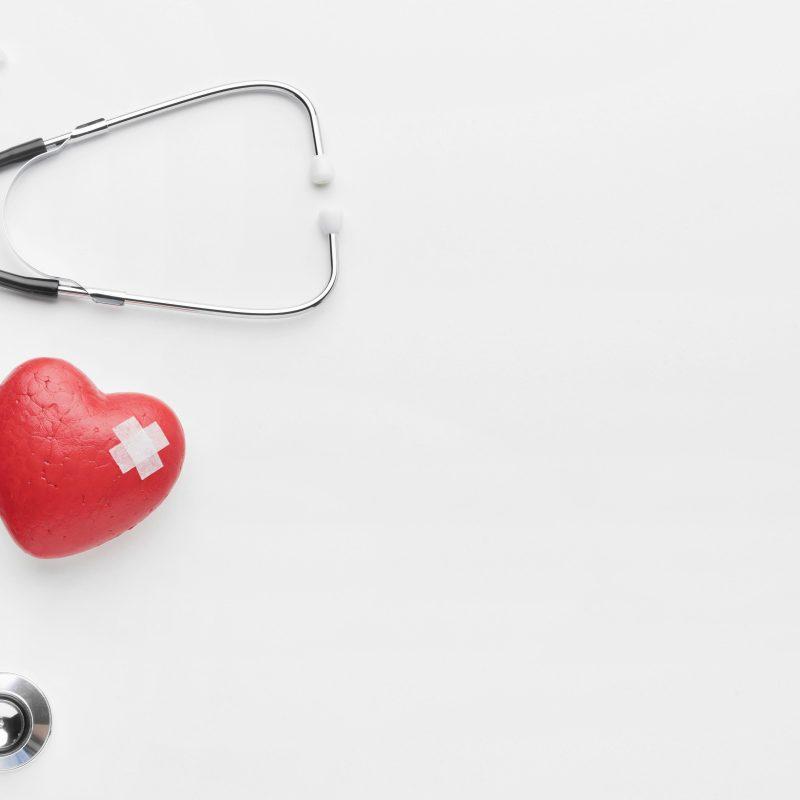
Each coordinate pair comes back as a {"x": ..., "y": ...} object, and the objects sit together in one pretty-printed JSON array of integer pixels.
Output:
[{"x": 25, "y": 721}]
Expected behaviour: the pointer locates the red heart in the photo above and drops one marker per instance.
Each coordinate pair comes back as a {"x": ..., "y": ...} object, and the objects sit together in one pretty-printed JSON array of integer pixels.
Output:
[{"x": 62, "y": 485}]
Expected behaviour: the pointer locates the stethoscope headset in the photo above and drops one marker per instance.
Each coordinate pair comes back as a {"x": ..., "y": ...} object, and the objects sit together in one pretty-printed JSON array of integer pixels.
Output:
[{"x": 52, "y": 286}]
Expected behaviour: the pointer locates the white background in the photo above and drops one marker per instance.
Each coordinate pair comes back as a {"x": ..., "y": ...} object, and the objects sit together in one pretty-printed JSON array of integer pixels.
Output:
[{"x": 514, "y": 513}]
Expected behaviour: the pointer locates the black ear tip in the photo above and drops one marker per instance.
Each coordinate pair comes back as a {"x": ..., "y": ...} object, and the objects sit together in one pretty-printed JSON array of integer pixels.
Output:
[{"x": 22, "y": 152}]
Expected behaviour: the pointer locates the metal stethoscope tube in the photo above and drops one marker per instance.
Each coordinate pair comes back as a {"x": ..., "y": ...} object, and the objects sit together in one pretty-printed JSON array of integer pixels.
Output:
[{"x": 194, "y": 97}]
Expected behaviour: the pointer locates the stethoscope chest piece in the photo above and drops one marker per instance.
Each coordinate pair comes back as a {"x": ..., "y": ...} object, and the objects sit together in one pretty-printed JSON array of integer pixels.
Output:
[{"x": 25, "y": 721}]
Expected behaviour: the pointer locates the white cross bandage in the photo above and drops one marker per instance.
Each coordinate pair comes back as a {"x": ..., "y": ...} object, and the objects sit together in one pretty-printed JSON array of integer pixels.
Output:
[{"x": 139, "y": 447}]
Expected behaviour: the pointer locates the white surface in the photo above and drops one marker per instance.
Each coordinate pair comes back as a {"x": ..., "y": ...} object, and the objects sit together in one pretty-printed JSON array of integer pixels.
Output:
[{"x": 514, "y": 513}]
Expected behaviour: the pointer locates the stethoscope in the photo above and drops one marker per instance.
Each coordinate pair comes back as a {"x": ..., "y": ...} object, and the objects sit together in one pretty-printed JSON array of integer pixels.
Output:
[
  {"x": 45, "y": 285},
  {"x": 25, "y": 716}
]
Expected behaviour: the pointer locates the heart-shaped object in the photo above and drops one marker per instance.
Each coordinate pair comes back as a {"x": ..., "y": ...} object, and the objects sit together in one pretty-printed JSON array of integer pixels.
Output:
[{"x": 79, "y": 467}]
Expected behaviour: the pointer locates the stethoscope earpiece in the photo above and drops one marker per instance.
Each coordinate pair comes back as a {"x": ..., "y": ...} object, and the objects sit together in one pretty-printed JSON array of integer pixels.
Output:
[{"x": 25, "y": 721}]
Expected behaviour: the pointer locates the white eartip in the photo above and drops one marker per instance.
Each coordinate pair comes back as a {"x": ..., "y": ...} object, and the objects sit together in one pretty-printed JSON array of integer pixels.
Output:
[
  {"x": 321, "y": 170},
  {"x": 330, "y": 220}
]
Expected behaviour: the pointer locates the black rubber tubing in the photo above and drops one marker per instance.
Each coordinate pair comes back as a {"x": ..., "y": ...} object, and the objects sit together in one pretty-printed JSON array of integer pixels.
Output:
[
  {"x": 22, "y": 152},
  {"x": 23, "y": 283},
  {"x": 47, "y": 287}
]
